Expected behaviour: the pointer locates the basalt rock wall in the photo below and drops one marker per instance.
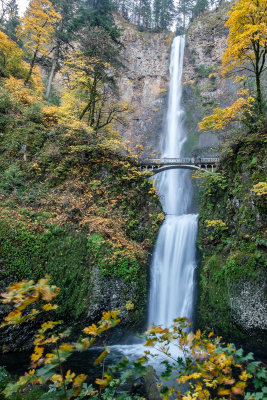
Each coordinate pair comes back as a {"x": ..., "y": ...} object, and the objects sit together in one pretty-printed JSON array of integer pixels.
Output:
[{"x": 143, "y": 84}]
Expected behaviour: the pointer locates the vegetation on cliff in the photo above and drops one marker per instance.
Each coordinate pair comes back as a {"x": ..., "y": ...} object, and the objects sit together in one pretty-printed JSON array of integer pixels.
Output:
[
  {"x": 74, "y": 204},
  {"x": 232, "y": 240},
  {"x": 232, "y": 234}
]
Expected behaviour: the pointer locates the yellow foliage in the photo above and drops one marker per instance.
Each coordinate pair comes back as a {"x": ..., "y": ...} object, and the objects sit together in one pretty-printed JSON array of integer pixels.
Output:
[
  {"x": 260, "y": 189},
  {"x": 248, "y": 28},
  {"x": 57, "y": 379},
  {"x": 79, "y": 380},
  {"x": 36, "y": 81},
  {"x": 37, "y": 26},
  {"x": 129, "y": 305},
  {"x": 246, "y": 51},
  {"x": 10, "y": 58},
  {"x": 213, "y": 371},
  {"x": 245, "y": 376},
  {"x": 24, "y": 293},
  {"x": 104, "y": 382},
  {"x": 218, "y": 223},
  {"x": 51, "y": 115},
  {"x": 66, "y": 347},
  {"x": 102, "y": 356},
  {"x": 91, "y": 330},
  {"x": 19, "y": 93},
  {"x": 49, "y": 306},
  {"x": 38, "y": 352},
  {"x": 223, "y": 117},
  {"x": 48, "y": 325}
]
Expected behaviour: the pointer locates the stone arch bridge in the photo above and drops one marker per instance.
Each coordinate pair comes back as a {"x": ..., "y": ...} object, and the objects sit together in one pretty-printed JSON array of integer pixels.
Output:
[{"x": 158, "y": 165}]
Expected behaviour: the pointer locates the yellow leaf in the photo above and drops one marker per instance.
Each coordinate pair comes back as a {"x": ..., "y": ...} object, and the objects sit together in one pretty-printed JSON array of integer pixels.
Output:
[
  {"x": 38, "y": 352},
  {"x": 102, "y": 356},
  {"x": 49, "y": 306}
]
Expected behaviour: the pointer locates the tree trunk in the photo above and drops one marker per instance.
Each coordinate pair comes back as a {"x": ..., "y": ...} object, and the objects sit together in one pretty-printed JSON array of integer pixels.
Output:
[
  {"x": 256, "y": 47},
  {"x": 52, "y": 73},
  {"x": 86, "y": 108},
  {"x": 92, "y": 115},
  {"x": 259, "y": 97},
  {"x": 31, "y": 67}
]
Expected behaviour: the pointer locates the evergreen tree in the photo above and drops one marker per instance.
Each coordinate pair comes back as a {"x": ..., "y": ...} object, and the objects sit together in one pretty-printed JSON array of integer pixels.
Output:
[
  {"x": 77, "y": 21},
  {"x": 96, "y": 13},
  {"x": 9, "y": 18},
  {"x": 125, "y": 7},
  {"x": 63, "y": 37},
  {"x": 185, "y": 9},
  {"x": 164, "y": 14},
  {"x": 143, "y": 13},
  {"x": 200, "y": 7}
]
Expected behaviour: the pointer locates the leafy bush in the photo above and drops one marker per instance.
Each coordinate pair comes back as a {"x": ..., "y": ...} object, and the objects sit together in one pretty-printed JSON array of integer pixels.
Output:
[
  {"x": 203, "y": 71},
  {"x": 211, "y": 370},
  {"x": 112, "y": 260},
  {"x": 12, "y": 179},
  {"x": 51, "y": 350}
]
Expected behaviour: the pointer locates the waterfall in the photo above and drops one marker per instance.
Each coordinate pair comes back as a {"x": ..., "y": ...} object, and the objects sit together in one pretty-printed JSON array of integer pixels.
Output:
[{"x": 174, "y": 258}]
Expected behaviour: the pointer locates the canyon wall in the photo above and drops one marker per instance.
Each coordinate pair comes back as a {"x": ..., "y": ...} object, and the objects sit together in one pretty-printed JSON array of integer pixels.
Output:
[{"x": 143, "y": 83}]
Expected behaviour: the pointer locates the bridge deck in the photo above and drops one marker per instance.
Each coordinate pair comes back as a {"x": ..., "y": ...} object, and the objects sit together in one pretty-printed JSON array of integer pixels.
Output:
[
  {"x": 182, "y": 160},
  {"x": 157, "y": 165}
]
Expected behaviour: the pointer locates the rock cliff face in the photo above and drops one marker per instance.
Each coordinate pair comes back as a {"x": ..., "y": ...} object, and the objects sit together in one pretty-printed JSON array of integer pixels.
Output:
[
  {"x": 143, "y": 83},
  {"x": 204, "y": 87}
]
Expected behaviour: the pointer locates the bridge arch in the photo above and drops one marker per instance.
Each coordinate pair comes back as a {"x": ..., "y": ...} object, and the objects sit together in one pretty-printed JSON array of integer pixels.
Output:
[
  {"x": 159, "y": 165},
  {"x": 157, "y": 170}
]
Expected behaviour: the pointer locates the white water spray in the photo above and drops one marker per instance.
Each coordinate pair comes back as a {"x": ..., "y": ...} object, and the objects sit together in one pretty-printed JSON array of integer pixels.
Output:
[{"x": 174, "y": 258}]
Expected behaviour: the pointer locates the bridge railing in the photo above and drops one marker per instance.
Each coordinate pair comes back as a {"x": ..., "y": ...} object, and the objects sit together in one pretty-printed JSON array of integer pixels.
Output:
[{"x": 181, "y": 160}]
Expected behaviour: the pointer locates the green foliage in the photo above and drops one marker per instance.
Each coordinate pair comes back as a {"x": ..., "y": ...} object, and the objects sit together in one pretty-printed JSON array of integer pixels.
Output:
[
  {"x": 5, "y": 107},
  {"x": 203, "y": 71},
  {"x": 12, "y": 179},
  {"x": 63, "y": 254},
  {"x": 112, "y": 260},
  {"x": 5, "y": 378},
  {"x": 241, "y": 264},
  {"x": 164, "y": 13},
  {"x": 232, "y": 256}
]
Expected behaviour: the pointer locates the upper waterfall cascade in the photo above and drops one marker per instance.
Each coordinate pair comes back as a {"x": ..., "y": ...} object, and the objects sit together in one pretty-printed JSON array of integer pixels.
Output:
[{"x": 174, "y": 258}]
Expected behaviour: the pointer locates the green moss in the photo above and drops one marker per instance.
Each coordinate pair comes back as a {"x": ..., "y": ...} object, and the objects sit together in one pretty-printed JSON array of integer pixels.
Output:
[
  {"x": 112, "y": 260},
  {"x": 58, "y": 252},
  {"x": 237, "y": 255}
]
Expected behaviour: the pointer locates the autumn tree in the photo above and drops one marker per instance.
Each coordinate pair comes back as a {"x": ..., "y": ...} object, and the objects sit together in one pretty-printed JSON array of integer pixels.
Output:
[
  {"x": 247, "y": 42},
  {"x": 10, "y": 58},
  {"x": 246, "y": 53},
  {"x": 36, "y": 30},
  {"x": 91, "y": 88}
]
